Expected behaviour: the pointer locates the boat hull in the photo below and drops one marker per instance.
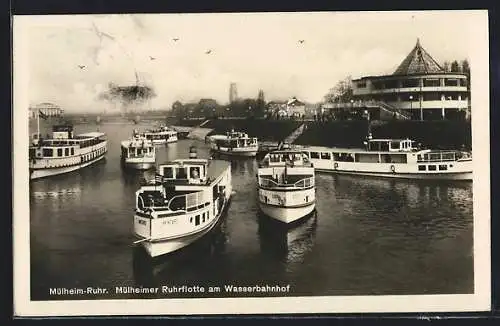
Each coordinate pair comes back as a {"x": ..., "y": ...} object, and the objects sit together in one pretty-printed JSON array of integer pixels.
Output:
[
  {"x": 163, "y": 247},
  {"x": 415, "y": 176},
  {"x": 249, "y": 153},
  {"x": 287, "y": 214},
  {"x": 43, "y": 173}
]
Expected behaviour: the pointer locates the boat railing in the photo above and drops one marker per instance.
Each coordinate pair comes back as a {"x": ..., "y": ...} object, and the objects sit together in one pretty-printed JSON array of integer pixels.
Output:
[
  {"x": 302, "y": 183},
  {"x": 187, "y": 202},
  {"x": 442, "y": 156}
]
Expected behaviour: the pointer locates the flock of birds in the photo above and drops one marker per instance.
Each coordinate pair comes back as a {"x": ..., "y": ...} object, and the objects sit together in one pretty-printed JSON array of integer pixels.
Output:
[{"x": 101, "y": 34}]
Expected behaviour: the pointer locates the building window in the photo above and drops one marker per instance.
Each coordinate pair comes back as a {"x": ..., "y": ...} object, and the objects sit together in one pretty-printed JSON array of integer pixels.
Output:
[
  {"x": 410, "y": 83},
  {"x": 361, "y": 84},
  {"x": 432, "y": 82}
]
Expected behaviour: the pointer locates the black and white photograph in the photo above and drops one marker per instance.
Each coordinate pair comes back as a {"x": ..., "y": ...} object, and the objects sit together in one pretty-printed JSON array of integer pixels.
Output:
[{"x": 251, "y": 163}]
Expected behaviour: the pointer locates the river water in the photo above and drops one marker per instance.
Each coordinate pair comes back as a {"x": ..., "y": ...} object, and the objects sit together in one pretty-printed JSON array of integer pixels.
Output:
[{"x": 368, "y": 236}]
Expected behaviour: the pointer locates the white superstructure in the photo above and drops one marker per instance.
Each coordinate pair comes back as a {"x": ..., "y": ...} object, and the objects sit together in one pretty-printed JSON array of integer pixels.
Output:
[
  {"x": 286, "y": 185},
  {"x": 234, "y": 143}
]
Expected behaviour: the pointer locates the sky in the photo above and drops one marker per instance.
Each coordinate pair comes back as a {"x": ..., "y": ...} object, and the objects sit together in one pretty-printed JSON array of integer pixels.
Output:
[{"x": 255, "y": 51}]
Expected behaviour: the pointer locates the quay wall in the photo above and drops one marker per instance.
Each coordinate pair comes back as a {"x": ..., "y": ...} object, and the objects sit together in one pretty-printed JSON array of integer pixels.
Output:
[
  {"x": 431, "y": 134},
  {"x": 265, "y": 130}
]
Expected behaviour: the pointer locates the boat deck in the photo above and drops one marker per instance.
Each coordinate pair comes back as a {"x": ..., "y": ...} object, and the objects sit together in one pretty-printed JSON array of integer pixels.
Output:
[{"x": 288, "y": 179}]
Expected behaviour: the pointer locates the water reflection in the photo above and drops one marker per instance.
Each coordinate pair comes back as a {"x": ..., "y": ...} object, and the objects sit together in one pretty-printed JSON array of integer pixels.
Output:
[{"x": 284, "y": 243}]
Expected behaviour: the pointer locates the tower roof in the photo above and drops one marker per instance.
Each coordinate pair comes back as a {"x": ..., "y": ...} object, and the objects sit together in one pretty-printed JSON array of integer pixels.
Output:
[{"x": 418, "y": 62}]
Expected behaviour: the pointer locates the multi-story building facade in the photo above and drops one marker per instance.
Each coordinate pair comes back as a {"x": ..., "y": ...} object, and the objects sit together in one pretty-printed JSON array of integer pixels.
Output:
[
  {"x": 419, "y": 86},
  {"x": 48, "y": 109}
]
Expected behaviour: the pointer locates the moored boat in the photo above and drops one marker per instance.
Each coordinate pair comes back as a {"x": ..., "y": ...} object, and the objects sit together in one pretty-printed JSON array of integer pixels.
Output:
[
  {"x": 138, "y": 153},
  {"x": 234, "y": 143},
  {"x": 161, "y": 135},
  {"x": 64, "y": 152},
  {"x": 286, "y": 185},
  {"x": 393, "y": 158},
  {"x": 185, "y": 201}
]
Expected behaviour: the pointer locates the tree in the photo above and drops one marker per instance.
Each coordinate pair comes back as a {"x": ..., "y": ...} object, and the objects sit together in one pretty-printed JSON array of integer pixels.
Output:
[
  {"x": 455, "y": 67},
  {"x": 465, "y": 67},
  {"x": 446, "y": 66},
  {"x": 341, "y": 92}
]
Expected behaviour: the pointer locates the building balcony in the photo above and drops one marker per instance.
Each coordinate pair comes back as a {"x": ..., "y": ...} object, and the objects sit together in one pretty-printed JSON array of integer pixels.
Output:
[{"x": 440, "y": 89}]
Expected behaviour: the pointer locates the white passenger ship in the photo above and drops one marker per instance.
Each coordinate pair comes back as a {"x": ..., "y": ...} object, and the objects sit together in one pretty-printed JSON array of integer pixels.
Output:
[
  {"x": 138, "y": 153},
  {"x": 286, "y": 185},
  {"x": 234, "y": 143},
  {"x": 161, "y": 135},
  {"x": 64, "y": 152},
  {"x": 184, "y": 203},
  {"x": 393, "y": 158}
]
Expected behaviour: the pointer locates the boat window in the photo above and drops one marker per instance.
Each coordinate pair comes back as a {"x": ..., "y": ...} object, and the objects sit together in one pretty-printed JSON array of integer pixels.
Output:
[
  {"x": 421, "y": 167},
  {"x": 197, "y": 220},
  {"x": 59, "y": 152},
  {"x": 182, "y": 173},
  {"x": 314, "y": 155},
  {"x": 168, "y": 172},
  {"x": 274, "y": 158},
  {"x": 384, "y": 146},
  {"x": 394, "y": 145},
  {"x": 203, "y": 217},
  {"x": 325, "y": 156},
  {"x": 419, "y": 158},
  {"x": 443, "y": 167},
  {"x": 47, "y": 152},
  {"x": 66, "y": 151},
  {"x": 432, "y": 168},
  {"x": 194, "y": 172}
]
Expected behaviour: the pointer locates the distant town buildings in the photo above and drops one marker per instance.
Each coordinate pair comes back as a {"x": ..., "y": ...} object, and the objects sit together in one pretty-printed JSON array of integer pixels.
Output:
[
  {"x": 48, "y": 109},
  {"x": 295, "y": 108},
  {"x": 420, "y": 87}
]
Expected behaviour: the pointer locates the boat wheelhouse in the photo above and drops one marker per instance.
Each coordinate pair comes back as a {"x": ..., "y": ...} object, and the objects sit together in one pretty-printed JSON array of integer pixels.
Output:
[
  {"x": 64, "y": 152},
  {"x": 138, "y": 153},
  {"x": 394, "y": 158},
  {"x": 286, "y": 185},
  {"x": 185, "y": 202},
  {"x": 234, "y": 143},
  {"x": 161, "y": 135}
]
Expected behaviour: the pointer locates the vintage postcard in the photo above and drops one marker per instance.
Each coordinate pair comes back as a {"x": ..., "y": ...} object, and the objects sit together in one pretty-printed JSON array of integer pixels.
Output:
[{"x": 251, "y": 163}]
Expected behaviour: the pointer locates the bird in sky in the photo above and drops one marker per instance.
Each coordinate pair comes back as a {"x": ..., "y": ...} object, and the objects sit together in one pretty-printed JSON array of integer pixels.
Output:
[
  {"x": 301, "y": 41},
  {"x": 208, "y": 52},
  {"x": 152, "y": 58},
  {"x": 81, "y": 66},
  {"x": 175, "y": 39}
]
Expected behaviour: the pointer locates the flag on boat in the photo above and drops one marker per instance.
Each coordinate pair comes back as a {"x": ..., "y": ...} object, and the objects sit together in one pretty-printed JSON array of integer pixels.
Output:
[
  {"x": 158, "y": 178},
  {"x": 42, "y": 115}
]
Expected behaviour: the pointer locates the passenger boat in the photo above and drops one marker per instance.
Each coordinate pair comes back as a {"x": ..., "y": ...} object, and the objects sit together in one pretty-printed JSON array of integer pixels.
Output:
[
  {"x": 138, "y": 152},
  {"x": 234, "y": 143},
  {"x": 286, "y": 185},
  {"x": 64, "y": 152},
  {"x": 161, "y": 135},
  {"x": 183, "y": 203},
  {"x": 393, "y": 158}
]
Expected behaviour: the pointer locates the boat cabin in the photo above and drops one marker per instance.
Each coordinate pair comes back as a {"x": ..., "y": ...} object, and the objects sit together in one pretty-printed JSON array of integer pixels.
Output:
[
  {"x": 390, "y": 145},
  {"x": 280, "y": 158},
  {"x": 137, "y": 147},
  {"x": 193, "y": 171}
]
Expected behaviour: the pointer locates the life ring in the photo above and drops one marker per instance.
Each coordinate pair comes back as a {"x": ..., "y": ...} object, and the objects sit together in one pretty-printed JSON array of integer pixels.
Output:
[
  {"x": 393, "y": 169},
  {"x": 335, "y": 165}
]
